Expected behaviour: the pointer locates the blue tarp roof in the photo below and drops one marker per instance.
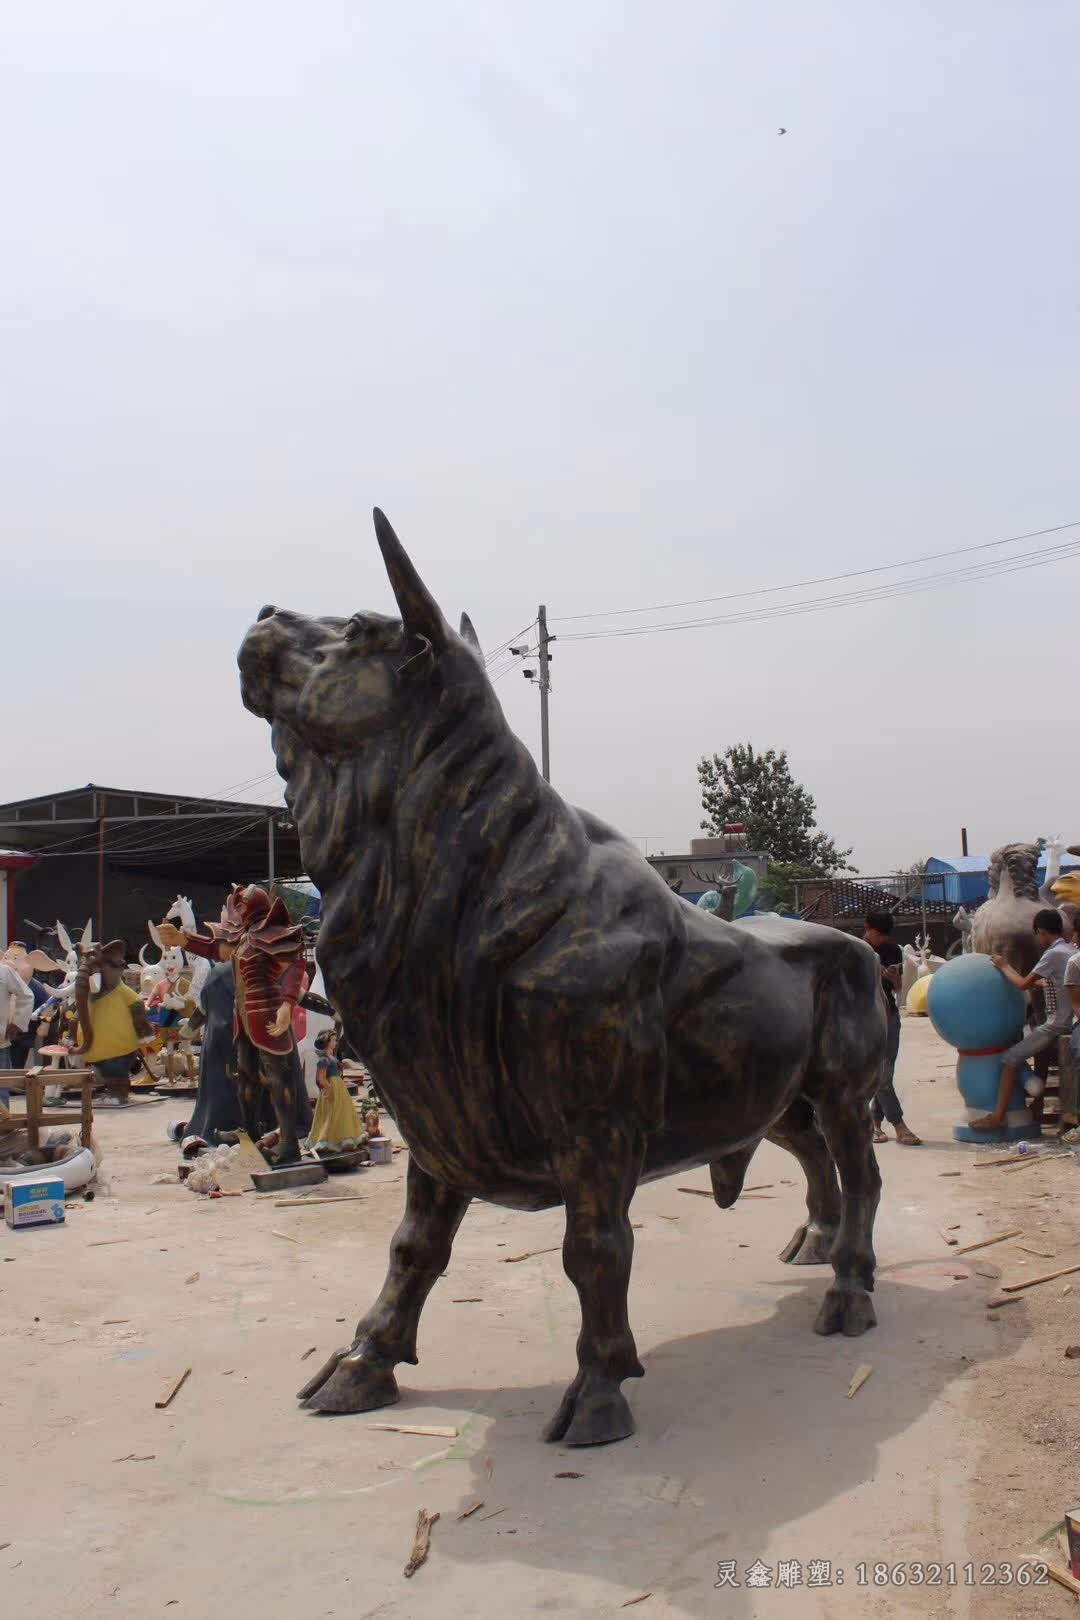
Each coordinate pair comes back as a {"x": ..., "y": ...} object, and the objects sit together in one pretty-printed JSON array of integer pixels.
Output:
[{"x": 966, "y": 876}]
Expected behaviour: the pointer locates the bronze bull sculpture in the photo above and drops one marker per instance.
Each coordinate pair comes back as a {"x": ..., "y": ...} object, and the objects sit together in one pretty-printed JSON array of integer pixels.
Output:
[{"x": 547, "y": 1022}]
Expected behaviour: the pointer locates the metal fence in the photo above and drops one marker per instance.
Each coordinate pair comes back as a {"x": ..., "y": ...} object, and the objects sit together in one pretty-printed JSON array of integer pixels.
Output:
[{"x": 911, "y": 897}]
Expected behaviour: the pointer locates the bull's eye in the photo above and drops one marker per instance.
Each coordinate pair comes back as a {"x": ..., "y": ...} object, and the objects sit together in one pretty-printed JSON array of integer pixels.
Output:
[{"x": 318, "y": 658}]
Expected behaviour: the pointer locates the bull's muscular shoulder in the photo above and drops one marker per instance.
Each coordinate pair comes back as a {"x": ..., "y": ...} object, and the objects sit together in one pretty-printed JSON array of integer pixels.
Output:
[{"x": 617, "y": 932}]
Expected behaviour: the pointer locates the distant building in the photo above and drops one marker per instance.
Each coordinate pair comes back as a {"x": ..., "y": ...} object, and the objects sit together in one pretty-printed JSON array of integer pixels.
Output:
[{"x": 708, "y": 864}]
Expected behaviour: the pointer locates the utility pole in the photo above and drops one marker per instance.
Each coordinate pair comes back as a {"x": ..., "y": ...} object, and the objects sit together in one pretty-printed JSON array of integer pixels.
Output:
[
  {"x": 544, "y": 640},
  {"x": 543, "y": 680}
]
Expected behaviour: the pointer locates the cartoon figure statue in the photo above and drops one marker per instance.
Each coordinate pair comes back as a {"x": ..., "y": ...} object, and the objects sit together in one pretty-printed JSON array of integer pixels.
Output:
[
  {"x": 56, "y": 1017},
  {"x": 267, "y": 953},
  {"x": 112, "y": 1020},
  {"x": 171, "y": 990},
  {"x": 977, "y": 1010}
]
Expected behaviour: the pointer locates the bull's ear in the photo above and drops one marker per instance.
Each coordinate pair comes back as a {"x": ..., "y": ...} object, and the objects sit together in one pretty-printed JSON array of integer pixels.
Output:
[
  {"x": 469, "y": 634},
  {"x": 420, "y": 613}
]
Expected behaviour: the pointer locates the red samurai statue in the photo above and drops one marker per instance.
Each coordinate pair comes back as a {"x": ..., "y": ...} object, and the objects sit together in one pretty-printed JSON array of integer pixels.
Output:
[{"x": 267, "y": 954}]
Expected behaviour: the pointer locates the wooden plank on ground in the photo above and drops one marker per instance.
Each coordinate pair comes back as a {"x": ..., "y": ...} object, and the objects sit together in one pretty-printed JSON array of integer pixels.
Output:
[
  {"x": 170, "y": 1387},
  {"x": 1033, "y": 1282},
  {"x": 984, "y": 1243}
]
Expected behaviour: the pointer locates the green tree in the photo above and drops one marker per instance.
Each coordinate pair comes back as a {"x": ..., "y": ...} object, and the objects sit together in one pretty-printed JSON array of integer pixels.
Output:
[
  {"x": 758, "y": 789},
  {"x": 297, "y": 901},
  {"x": 778, "y": 892}
]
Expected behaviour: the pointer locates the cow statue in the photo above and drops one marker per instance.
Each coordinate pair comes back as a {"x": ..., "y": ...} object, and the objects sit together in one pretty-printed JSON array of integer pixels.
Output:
[{"x": 547, "y": 1023}]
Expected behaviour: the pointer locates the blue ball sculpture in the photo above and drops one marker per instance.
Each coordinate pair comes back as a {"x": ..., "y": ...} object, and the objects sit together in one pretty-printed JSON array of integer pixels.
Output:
[{"x": 977, "y": 1010}]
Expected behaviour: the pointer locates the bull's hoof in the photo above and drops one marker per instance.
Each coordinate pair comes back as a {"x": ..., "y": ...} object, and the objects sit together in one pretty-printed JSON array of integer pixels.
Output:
[
  {"x": 811, "y": 1246},
  {"x": 591, "y": 1413},
  {"x": 846, "y": 1310},
  {"x": 349, "y": 1383}
]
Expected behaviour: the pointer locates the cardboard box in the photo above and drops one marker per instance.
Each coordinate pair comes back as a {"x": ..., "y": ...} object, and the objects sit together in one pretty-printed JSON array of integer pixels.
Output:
[{"x": 34, "y": 1203}]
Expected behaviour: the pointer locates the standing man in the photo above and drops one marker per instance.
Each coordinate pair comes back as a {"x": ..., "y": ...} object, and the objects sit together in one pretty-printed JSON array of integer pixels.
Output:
[{"x": 877, "y": 933}]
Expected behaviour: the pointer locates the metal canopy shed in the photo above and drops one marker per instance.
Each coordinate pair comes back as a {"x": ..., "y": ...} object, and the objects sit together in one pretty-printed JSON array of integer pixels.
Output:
[{"x": 117, "y": 854}]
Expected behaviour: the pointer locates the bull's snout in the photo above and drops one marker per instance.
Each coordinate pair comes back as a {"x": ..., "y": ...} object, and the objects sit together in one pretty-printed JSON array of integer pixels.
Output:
[{"x": 257, "y": 659}]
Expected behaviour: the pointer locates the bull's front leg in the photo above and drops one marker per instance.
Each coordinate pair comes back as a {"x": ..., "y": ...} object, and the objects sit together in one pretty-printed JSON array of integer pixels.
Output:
[
  {"x": 598, "y": 1172},
  {"x": 361, "y": 1377}
]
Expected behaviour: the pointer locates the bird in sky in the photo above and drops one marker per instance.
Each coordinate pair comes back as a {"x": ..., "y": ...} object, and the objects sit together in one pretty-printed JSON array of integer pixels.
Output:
[{"x": 781, "y": 130}]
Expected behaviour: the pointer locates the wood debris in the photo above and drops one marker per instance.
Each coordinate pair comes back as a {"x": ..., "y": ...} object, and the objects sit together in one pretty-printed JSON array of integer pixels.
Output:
[
  {"x": 131, "y": 1457},
  {"x": 1005, "y": 1299},
  {"x": 759, "y": 1186},
  {"x": 309, "y": 1352},
  {"x": 950, "y": 1172},
  {"x": 104, "y": 1243},
  {"x": 1041, "y": 1254},
  {"x": 859, "y": 1378},
  {"x": 985, "y": 1243},
  {"x": 115, "y": 1321},
  {"x": 568, "y": 1473},
  {"x": 1063, "y": 1578},
  {"x": 326, "y": 1198},
  {"x": 631, "y": 1601},
  {"x": 494, "y": 1515},
  {"x": 512, "y": 1259},
  {"x": 1031, "y": 1158},
  {"x": 1045, "y": 1277},
  {"x": 286, "y": 1235},
  {"x": 698, "y": 1192},
  {"x": 421, "y": 1542},
  {"x": 981, "y": 1271},
  {"x": 434, "y": 1431},
  {"x": 946, "y": 1238},
  {"x": 170, "y": 1388},
  {"x": 474, "y": 1507},
  {"x": 193, "y": 1278},
  {"x": 473, "y": 1300}
]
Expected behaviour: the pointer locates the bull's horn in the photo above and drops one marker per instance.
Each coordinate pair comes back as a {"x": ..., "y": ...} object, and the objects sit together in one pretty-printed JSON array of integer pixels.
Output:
[
  {"x": 419, "y": 611},
  {"x": 469, "y": 634}
]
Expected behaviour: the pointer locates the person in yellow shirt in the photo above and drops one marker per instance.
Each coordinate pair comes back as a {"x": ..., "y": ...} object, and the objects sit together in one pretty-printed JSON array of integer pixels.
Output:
[{"x": 112, "y": 1021}]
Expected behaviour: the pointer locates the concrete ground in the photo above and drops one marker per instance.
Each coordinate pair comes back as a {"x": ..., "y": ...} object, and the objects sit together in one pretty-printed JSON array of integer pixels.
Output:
[{"x": 748, "y": 1448}]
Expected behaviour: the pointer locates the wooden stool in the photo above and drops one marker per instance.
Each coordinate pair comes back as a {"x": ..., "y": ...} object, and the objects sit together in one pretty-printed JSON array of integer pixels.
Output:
[{"x": 37, "y": 1114}]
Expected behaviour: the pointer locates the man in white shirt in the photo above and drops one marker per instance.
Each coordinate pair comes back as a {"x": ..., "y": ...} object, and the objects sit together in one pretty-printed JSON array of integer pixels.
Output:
[
  {"x": 1049, "y": 973},
  {"x": 16, "y": 1005}
]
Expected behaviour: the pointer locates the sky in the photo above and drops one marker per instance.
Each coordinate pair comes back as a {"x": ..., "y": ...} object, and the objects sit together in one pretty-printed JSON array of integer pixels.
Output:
[{"x": 547, "y": 284}]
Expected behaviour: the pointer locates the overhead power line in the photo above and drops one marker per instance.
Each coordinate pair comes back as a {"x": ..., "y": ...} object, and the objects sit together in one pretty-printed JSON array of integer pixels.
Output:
[
  {"x": 824, "y": 579},
  {"x": 871, "y": 593}
]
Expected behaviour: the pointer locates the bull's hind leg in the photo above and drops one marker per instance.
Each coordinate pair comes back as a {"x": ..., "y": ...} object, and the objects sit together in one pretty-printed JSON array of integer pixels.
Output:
[
  {"x": 847, "y": 1307},
  {"x": 598, "y": 1172},
  {"x": 362, "y": 1377},
  {"x": 797, "y": 1131}
]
